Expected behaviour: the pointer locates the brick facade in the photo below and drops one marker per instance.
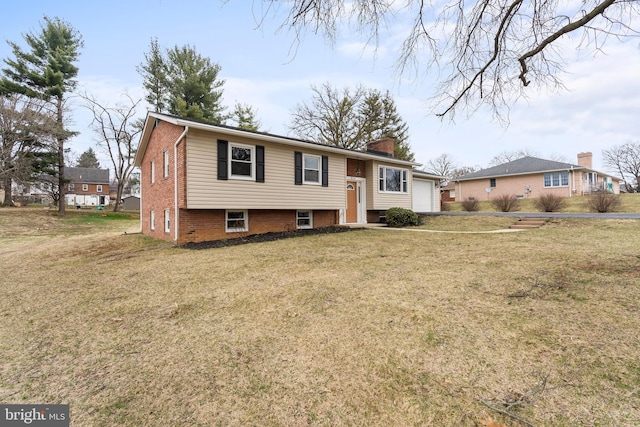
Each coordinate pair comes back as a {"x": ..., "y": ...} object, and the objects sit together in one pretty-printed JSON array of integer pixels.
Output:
[
  {"x": 201, "y": 225},
  {"x": 157, "y": 196},
  {"x": 197, "y": 225}
]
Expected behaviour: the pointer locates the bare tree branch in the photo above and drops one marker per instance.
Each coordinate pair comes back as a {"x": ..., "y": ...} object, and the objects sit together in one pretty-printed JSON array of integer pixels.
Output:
[{"x": 117, "y": 130}]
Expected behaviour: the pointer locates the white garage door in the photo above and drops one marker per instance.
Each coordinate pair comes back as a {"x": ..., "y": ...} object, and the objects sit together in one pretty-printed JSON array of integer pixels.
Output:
[{"x": 422, "y": 196}]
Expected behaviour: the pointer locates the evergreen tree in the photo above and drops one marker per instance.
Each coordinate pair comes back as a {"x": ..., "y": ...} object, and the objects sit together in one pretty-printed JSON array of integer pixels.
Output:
[
  {"x": 195, "y": 90},
  {"x": 154, "y": 74},
  {"x": 47, "y": 72},
  {"x": 383, "y": 121},
  {"x": 88, "y": 159},
  {"x": 184, "y": 83},
  {"x": 245, "y": 117}
]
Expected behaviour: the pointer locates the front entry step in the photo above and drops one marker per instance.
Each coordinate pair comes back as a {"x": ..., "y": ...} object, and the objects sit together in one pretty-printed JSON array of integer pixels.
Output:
[{"x": 528, "y": 223}]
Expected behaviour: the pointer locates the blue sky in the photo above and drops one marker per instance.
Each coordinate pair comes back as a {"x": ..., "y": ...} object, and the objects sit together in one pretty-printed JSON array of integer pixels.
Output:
[{"x": 264, "y": 66}]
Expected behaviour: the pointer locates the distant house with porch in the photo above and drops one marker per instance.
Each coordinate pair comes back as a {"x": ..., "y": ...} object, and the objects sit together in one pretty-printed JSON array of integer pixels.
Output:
[
  {"x": 531, "y": 177},
  {"x": 87, "y": 187}
]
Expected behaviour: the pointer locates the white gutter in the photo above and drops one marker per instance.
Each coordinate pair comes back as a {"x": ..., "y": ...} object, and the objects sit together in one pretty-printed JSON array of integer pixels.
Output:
[{"x": 175, "y": 180}]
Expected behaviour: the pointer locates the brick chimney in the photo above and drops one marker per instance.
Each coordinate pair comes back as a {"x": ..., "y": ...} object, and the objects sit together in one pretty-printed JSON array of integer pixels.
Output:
[
  {"x": 586, "y": 159},
  {"x": 381, "y": 146}
]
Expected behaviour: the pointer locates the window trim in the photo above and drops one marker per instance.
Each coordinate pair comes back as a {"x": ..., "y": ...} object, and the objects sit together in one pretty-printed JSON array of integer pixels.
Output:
[
  {"x": 99, "y": 188},
  {"x": 304, "y": 169},
  {"x": 245, "y": 218},
  {"x": 165, "y": 163},
  {"x": 152, "y": 220},
  {"x": 85, "y": 187},
  {"x": 382, "y": 180},
  {"x": 252, "y": 176},
  {"x": 167, "y": 221},
  {"x": 561, "y": 178},
  {"x": 298, "y": 218},
  {"x": 492, "y": 183},
  {"x": 153, "y": 171},
  {"x": 72, "y": 186}
]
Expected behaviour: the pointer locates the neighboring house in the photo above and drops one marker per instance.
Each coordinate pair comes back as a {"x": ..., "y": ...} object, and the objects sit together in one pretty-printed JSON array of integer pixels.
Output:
[
  {"x": 448, "y": 192},
  {"x": 87, "y": 186},
  {"x": 131, "y": 203},
  {"x": 203, "y": 182},
  {"x": 531, "y": 177}
]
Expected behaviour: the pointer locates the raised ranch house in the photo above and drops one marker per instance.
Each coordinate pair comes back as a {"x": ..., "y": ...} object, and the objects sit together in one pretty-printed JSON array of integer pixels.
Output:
[
  {"x": 531, "y": 177},
  {"x": 201, "y": 182},
  {"x": 87, "y": 187}
]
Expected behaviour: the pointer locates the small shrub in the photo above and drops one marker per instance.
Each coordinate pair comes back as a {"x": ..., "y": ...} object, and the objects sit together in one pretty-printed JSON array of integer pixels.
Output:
[
  {"x": 604, "y": 202},
  {"x": 506, "y": 203},
  {"x": 400, "y": 217},
  {"x": 445, "y": 206},
  {"x": 470, "y": 205},
  {"x": 550, "y": 203}
]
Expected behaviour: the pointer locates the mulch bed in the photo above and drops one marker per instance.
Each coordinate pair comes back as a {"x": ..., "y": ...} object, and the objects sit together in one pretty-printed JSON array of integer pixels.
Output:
[{"x": 266, "y": 237}]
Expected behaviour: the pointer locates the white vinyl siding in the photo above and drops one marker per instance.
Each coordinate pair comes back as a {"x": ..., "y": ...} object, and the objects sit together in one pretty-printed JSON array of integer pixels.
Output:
[
  {"x": 377, "y": 200},
  {"x": 205, "y": 191}
]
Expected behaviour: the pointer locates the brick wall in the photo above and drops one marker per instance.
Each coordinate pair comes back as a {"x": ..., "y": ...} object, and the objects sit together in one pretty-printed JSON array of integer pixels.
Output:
[
  {"x": 159, "y": 195},
  {"x": 205, "y": 225},
  {"x": 514, "y": 185}
]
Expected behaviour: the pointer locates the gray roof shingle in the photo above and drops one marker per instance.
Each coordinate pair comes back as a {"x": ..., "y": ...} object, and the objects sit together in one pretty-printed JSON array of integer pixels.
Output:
[
  {"x": 520, "y": 166},
  {"x": 87, "y": 175}
]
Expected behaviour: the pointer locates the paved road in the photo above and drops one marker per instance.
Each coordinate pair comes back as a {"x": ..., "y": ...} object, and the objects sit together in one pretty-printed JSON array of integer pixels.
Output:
[{"x": 541, "y": 214}]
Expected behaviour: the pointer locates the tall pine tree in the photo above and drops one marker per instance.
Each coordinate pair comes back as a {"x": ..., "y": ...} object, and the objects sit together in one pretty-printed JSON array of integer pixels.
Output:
[
  {"x": 46, "y": 71},
  {"x": 183, "y": 82}
]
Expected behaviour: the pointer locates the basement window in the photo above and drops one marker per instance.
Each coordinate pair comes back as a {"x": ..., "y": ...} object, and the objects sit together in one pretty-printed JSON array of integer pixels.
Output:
[
  {"x": 236, "y": 221},
  {"x": 304, "y": 219}
]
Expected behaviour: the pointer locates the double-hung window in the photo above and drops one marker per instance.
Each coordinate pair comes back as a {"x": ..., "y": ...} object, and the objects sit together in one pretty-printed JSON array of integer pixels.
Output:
[
  {"x": 85, "y": 187},
  {"x": 153, "y": 171},
  {"x": 236, "y": 221},
  {"x": 167, "y": 221},
  {"x": 152, "y": 220},
  {"x": 165, "y": 163},
  {"x": 304, "y": 219},
  {"x": 556, "y": 179},
  {"x": 311, "y": 172},
  {"x": 392, "y": 180},
  {"x": 242, "y": 161},
  {"x": 99, "y": 188}
]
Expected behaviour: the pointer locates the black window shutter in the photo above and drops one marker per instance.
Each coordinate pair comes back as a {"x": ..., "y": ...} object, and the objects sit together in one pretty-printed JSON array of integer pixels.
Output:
[
  {"x": 223, "y": 154},
  {"x": 325, "y": 171},
  {"x": 259, "y": 163},
  {"x": 298, "y": 167}
]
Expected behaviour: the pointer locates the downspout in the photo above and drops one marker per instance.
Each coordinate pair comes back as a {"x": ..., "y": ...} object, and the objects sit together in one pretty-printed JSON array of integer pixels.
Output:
[
  {"x": 141, "y": 205},
  {"x": 175, "y": 180}
]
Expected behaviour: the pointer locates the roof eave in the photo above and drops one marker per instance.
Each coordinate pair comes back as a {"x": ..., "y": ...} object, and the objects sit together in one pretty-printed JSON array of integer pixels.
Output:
[{"x": 146, "y": 135}]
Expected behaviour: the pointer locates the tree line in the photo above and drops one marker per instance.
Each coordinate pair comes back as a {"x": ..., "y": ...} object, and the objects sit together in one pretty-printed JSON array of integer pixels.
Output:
[{"x": 37, "y": 83}]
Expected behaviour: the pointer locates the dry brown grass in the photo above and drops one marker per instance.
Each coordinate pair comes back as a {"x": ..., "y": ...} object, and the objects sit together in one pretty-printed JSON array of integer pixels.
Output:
[{"x": 369, "y": 327}]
